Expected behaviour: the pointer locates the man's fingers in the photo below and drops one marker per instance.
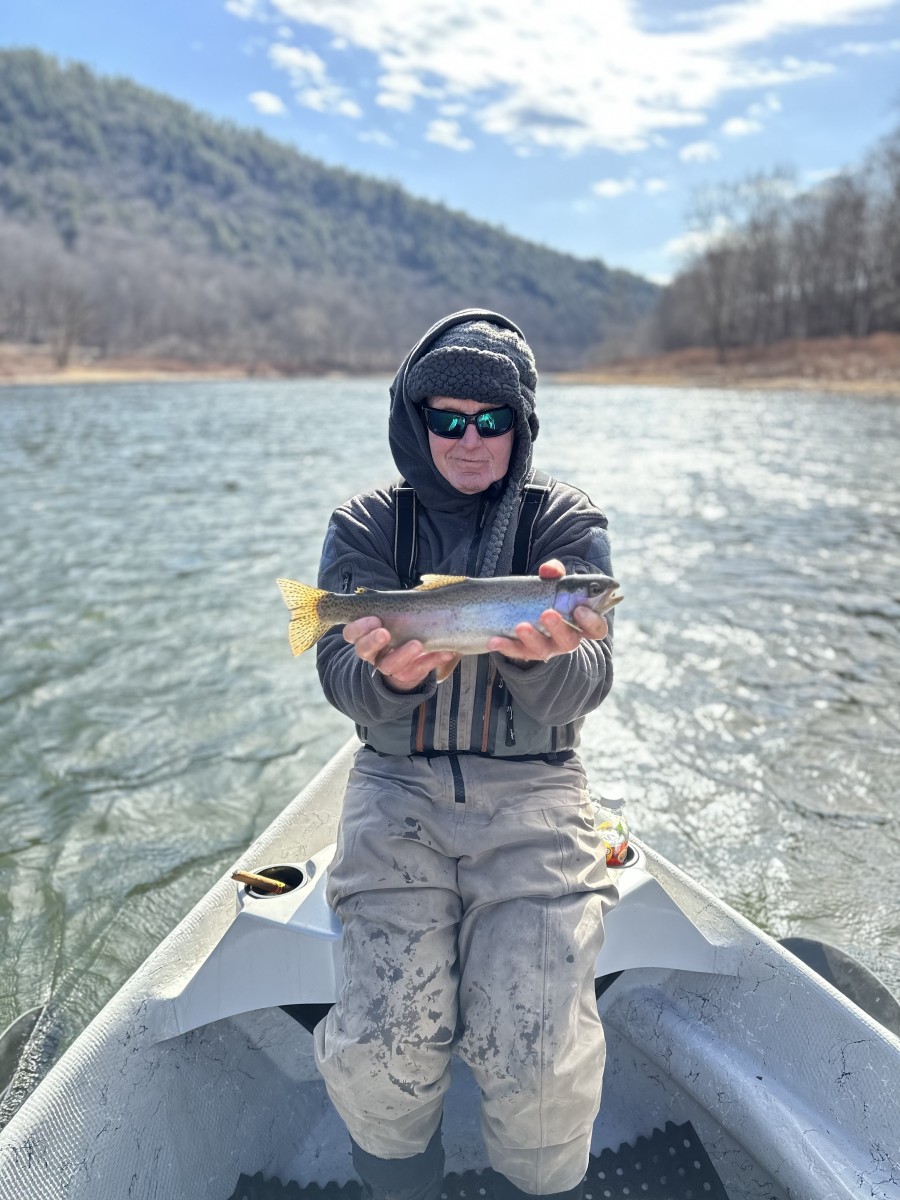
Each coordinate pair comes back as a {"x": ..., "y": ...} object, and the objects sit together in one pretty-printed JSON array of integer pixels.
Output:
[
  {"x": 399, "y": 658},
  {"x": 407, "y": 666},
  {"x": 551, "y": 569},
  {"x": 373, "y": 645},
  {"x": 354, "y": 630},
  {"x": 531, "y": 644},
  {"x": 562, "y": 636},
  {"x": 508, "y": 647},
  {"x": 591, "y": 624}
]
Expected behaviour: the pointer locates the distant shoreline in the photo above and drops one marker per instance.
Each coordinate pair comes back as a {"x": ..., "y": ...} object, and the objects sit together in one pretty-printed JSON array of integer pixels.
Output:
[{"x": 863, "y": 366}]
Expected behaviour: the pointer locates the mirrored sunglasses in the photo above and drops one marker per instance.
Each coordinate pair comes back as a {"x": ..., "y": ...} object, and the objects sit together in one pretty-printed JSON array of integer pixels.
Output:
[{"x": 492, "y": 422}]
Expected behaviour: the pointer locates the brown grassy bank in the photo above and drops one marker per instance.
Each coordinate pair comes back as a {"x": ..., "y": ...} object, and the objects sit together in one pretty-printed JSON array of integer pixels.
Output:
[
  {"x": 36, "y": 364},
  {"x": 867, "y": 365},
  {"x": 862, "y": 365}
]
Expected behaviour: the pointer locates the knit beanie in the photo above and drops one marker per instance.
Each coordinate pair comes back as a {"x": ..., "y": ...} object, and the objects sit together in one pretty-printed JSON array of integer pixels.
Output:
[{"x": 474, "y": 355}]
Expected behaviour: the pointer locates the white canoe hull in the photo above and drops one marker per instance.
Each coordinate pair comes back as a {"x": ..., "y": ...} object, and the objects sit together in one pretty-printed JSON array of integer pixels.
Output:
[{"x": 791, "y": 1088}]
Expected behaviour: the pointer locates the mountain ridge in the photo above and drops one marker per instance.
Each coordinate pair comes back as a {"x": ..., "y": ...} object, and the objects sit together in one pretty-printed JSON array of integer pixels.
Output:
[{"x": 288, "y": 259}]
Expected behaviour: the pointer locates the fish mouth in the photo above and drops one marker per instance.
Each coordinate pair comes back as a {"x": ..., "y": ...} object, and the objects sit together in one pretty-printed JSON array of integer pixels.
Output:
[{"x": 612, "y": 598}]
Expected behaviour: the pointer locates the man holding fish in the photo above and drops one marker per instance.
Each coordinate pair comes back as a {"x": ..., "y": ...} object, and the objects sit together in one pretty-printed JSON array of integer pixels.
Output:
[{"x": 469, "y": 877}]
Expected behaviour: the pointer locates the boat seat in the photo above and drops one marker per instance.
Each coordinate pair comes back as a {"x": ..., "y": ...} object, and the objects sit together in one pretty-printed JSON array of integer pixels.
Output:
[{"x": 285, "y": 950}]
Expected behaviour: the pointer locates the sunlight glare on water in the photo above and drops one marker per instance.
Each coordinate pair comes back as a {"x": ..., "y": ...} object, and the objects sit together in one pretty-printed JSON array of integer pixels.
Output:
[{"x": 153, "y": 720}]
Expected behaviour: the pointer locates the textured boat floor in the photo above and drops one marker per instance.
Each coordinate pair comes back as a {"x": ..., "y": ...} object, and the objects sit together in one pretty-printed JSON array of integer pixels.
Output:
[{"x": 671, "y": 1164}]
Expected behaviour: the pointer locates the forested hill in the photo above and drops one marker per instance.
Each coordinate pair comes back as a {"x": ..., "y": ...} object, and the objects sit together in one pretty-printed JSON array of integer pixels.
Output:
[{"x": 131, "y": 222}]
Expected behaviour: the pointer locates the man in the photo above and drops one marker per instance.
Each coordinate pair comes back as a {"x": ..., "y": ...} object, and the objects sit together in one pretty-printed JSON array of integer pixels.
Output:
[{"x": 469, "y": 877}]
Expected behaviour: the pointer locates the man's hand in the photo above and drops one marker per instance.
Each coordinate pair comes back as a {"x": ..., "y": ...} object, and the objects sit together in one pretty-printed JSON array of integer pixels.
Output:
[
  {"x": 404, "y": 667},
  {"x": 531, "y": 645}
]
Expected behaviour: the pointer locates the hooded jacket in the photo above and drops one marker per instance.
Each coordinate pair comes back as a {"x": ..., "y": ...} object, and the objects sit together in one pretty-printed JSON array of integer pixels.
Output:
[{"x": 489, "y": 705}]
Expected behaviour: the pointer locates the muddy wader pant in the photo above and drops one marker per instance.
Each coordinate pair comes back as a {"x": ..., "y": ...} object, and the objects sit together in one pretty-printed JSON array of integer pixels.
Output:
[{"x": 471, "y": 891}]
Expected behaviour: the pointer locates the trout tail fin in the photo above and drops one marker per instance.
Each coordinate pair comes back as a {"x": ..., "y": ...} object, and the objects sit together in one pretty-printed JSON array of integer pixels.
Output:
[{"x": 306, "y": 625}]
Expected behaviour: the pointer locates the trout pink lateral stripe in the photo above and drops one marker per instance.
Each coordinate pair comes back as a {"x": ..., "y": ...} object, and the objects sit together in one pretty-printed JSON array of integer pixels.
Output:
[{"x": 446, "y": 612}]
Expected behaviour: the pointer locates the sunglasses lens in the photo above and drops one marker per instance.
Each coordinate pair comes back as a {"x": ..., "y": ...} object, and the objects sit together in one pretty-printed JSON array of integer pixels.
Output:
[
  {"x": 445, "y": 424},
  {"x": 494, "y": 422}
]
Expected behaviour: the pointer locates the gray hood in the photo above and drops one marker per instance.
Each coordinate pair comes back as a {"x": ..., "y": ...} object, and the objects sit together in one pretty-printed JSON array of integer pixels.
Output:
[{"x": 479, "y": 355}]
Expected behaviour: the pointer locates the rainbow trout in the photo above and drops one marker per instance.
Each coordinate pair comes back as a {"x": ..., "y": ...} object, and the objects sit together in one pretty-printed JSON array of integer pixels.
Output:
[{"x": 446, "y": 612}]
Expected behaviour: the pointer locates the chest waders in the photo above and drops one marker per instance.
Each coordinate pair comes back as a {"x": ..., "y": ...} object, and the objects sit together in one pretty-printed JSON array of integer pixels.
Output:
[{"x": 469, "y": 929}]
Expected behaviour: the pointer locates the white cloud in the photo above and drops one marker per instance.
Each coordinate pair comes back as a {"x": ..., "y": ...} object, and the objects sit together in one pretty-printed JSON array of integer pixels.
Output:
[
  {"x": 268, "y": 104},
  {"x": 867, "y": 49},
  {"x": 757, "y": 114},
  {"x": 248, "y": 10},
  {"x": 695, "y": 241},
  {"x": 699, "y": 152},
  {"x": 377, "y": 138},
  {"x": 448, "y": 133},
  {"x": 611, "y": 189},
  {"x": 399, "y": 89},
  {"x": 736, "y": 127},
  {"x": 821, "y": 175},
  {"x": 574, "y": 77},
  {"x": 765, "y": 107},
  {"x": 308, "y": 74}
]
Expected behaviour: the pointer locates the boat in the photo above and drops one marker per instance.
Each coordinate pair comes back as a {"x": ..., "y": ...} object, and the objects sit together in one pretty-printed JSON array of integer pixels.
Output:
[{"x": 733, "y": 1068}]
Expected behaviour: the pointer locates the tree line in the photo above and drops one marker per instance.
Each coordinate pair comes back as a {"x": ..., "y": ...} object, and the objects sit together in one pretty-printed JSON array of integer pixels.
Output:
[
  {"x": 775, "y": 263},
  {"x": 130, "y": 223}
]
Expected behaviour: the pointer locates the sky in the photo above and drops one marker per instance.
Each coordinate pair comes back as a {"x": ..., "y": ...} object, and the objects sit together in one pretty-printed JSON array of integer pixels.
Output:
[{"x": 586, "y": 126}]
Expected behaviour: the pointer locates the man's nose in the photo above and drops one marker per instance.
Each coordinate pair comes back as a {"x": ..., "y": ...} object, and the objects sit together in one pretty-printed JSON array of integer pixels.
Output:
[{"x": 471, "y": 437}]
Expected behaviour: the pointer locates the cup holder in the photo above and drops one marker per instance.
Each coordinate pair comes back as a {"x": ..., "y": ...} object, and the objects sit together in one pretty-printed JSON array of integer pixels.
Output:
[
  {"x": 631, "y": 857},
  {"x": 254, "y": 885}
]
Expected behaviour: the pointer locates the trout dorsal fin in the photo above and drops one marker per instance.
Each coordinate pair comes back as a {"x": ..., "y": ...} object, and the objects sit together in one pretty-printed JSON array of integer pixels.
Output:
[{"x": 429, "y": 582}]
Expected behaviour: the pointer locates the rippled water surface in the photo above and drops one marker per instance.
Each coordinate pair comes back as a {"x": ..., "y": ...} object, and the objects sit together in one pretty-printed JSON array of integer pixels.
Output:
[{"x": 153, "y": 720}]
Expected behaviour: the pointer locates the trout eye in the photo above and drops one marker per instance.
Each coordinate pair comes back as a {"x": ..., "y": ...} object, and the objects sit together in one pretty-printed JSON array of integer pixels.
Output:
[{"x": 594, "y": 589}]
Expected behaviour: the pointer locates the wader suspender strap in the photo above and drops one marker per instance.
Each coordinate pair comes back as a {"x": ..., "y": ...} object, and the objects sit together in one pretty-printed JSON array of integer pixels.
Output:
[
  {"x": 536, "y": 492},
  {"x": 406, "y": 544},
  {"x": 406, "y": 547}
]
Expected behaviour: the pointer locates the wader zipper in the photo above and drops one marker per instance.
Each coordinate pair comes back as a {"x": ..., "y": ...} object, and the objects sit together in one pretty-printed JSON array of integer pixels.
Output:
[
  {"x": 456, "y": 685},
  {"x": 459, "y": 789}
]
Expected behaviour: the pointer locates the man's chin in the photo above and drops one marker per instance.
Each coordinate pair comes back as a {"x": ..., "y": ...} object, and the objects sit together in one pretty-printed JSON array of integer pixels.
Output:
[{"x": 471, "y": 484}]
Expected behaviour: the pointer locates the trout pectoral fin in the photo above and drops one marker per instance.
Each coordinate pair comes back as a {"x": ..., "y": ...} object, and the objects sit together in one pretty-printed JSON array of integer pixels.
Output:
[
  {"x": 447, "y": 669},
  {"x": 438, "y": 581},
  {"x": 306, "y": 625}
]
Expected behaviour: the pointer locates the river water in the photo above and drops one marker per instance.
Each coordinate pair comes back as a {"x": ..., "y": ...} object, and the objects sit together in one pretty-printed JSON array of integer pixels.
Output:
[{"x": 152, "y": 720}]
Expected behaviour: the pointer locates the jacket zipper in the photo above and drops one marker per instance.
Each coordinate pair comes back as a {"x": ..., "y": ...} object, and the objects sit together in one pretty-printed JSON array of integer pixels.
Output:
[{"x": 472, "y": 561}]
